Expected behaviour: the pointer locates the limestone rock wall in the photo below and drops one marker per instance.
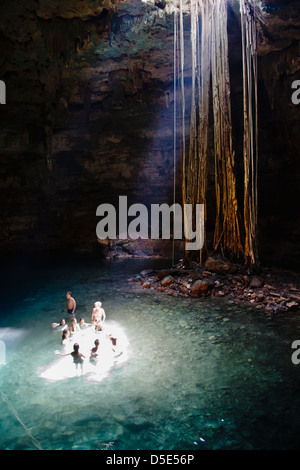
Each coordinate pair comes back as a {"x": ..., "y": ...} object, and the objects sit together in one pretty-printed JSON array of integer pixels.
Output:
[{"x": 89, "y": 117}]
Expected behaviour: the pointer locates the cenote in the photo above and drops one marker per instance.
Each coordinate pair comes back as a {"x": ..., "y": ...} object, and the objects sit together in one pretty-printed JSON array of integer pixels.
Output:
[{"x": 194, "y": 374}]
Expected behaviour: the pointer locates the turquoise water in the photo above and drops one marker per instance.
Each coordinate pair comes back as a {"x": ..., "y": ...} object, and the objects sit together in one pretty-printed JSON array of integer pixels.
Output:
[{"x": 194, "y": 374}]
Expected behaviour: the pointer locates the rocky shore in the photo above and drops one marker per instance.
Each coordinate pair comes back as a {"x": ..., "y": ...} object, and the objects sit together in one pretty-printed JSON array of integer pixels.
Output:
[{"x": 268, "y": 290}]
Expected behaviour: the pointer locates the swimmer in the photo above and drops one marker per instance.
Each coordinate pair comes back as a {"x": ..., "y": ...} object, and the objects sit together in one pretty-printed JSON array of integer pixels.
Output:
[
  {"x": 94, "y": 351},
  {"x": 71, "y": 304},
  {"x": 65, "y": 337},
  {"x": 77, "y": 356},
  {"x": 98, "y": 316},
  {"x": 113, "y": 342},
  {"x": 82, "y": 324},
  {"x": 114, "y": 347},
  {"x": 60, "y": 325},
  {"x": 74, "y": 326}
]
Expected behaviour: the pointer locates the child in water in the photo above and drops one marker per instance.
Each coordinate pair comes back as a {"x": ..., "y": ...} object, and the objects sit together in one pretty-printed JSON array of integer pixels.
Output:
[
  {"x": 77, "y": 356},
  {"x": 65, "y": 337},
  {"x": 113, "y": 342},
  {"x": 59, "y": 326},
  {"x": 74, "y": 326},
  {"x": 82, "y": 324},
  {"x": 94, "y": 351}
]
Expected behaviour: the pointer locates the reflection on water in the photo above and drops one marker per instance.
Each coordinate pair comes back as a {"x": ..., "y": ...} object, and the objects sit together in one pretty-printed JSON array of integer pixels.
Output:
[
  {"x": 194, "y": 374},
  {"x": 92, "y": 367}
]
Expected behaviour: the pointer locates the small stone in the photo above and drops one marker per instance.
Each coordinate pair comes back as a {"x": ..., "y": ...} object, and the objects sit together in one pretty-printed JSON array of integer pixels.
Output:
[
  {"x": 167, "y": 280},
  {"x": 145, "y": 272},
  {"x": 220, "y": 293},
  {"x": 256, "y": 282},
  {"x": 146, "y": 285},
  {"x": 206, "y": 274},
  {"x": 183, "y": 289},
  {"x": 292, "y": 305}
]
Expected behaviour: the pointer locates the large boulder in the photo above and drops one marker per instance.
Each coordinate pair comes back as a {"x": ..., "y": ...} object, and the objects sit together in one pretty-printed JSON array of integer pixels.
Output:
[
  {"x": 220, "y": 266},
  {"x": 199, "y": 289}
]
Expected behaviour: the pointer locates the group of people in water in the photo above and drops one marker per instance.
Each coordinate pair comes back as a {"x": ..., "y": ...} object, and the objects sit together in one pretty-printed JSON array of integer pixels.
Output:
[{"x": 70, "y": 331}]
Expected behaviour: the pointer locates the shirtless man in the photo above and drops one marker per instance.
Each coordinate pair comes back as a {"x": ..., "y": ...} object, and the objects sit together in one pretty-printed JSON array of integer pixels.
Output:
[
  {"x": 71, "y": 304},
  {"x": 98, "y": 316}
]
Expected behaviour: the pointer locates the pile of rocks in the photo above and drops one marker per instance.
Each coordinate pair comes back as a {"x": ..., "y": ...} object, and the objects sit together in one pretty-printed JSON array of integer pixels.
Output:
[{"x": 271, "y": 291}]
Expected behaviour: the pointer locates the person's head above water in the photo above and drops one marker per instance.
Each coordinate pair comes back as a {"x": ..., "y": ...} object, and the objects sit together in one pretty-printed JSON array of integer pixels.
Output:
[
  {"x": 65, "y": 333},
  {"x": 76, "y": 347},
  {"x": 98, "y": 304}
]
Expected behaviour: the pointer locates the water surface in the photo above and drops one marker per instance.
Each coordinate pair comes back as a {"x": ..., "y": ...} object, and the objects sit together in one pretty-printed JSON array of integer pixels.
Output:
[{"x": 194, "y": 373}]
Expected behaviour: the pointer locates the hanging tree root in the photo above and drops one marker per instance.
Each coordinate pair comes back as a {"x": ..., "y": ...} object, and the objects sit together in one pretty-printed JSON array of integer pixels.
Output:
[{"x": 210, "y": 76}]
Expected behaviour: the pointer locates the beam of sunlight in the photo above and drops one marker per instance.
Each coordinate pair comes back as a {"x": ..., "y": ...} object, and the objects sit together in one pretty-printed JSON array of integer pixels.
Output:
[{"x": 93, "y": 369}]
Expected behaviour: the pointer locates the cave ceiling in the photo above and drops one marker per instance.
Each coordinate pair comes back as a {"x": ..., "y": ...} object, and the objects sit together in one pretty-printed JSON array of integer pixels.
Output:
[{"x": 46, "y": 39}]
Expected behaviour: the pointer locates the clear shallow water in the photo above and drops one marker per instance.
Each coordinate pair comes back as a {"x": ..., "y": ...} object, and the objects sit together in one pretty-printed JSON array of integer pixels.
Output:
[{"x": 194, "y": 374}]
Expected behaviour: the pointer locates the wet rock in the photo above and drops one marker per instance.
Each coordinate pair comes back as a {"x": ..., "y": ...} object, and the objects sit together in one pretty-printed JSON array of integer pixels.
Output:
[
  {"x": 206, "y": 274},
  {"x": 199, "y": 289},
  {"x": 134, "y": 279},
  {"x": 220, "y": 266},
  {"x": 260, "y": 297},
  {"x": 292, "y": 305},
  {"x": 184, "y": 283},
  {"x": 167, "y": 280},
  {"x": 163, "y": 273},
  {"x": 256, "y": 282},
  {"x": 184, "y": 290},
  {"x": 146, "y": 285},
  {"x": 146, "y": 272},
  {"x": 220, "y": 293},
  {"x": 295, "y": 297},
  {"x": 267, "y": 286}
]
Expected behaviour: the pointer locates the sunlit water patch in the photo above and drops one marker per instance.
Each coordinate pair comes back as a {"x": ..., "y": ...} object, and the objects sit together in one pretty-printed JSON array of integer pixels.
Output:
[{"x": 188, "y": 374}]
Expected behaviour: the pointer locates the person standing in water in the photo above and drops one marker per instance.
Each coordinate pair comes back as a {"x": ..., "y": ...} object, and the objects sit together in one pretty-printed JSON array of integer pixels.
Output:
[
  {"x": 65, "y": 337},
  {"x": 71, "y": 304},
  {"x": 77, "y": 356},
  {"x": 94, "y": 351},
  {"x": 74, "y": 326},
  {"x": 98, "y": 316}
]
